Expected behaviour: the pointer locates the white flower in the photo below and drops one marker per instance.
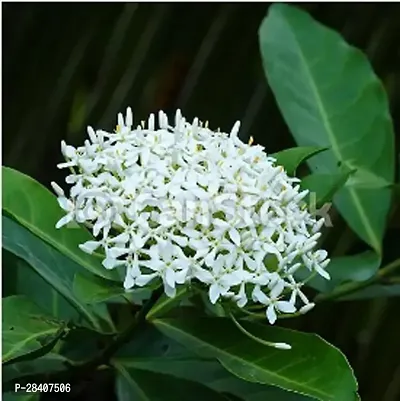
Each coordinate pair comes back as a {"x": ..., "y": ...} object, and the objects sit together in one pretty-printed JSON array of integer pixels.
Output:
[
  {"x": 241, "y": 297},
  {"x": 181, "y": 204},
  {"x": 170, "y": 263},
  {"x": 296, "y": 291},
  {"x": 108, "y": 244},
  {"x": 317, "y": 261},
  {"x": 134, "y": 276},
  {"x": 273, "y": 301},
  {"x": 69, "y": 207}
]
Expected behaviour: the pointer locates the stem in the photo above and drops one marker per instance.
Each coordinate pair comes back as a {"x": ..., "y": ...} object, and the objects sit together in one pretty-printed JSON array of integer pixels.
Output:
[
  {"x": 77, "y": 371},
  {"x": 124, "y": 337},
  {"x": 349, "y": 288},
  {"x": 393, "y": 280},
  {"x": 389, "y": 269}
]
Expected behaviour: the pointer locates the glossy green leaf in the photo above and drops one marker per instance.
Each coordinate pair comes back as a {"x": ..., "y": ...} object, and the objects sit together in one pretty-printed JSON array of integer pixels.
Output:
[
  {"x": 248, "y": 391},
  {"x": 9, "y": 274},
  {"x": 330, "y": 97},
  {"x": 155, "y": 352},
  {"x": 211, "y": 374},
  {"x": 358, "y": 267},
  {"x": 92, "y": 289},
  {"x": 37, "y": 209},
  {"x": 291, "y": 158},
  {"x": 323, "y": 187},
  {"x": 55, "y": 268},
  {"x": 26, "y": 328},
  {"x": 365, "y": 179},
  {"x": 21, "y": 279},
  {"x": 312, "y": 367},
  {"x": 139, "y": 385}
]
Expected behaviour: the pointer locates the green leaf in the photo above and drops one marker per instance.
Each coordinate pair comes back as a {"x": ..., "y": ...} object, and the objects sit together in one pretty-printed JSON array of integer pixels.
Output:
[
  {"x": 155, "y": 352},
  {"x": 36, "y": 208},
  {"x": 291, "y": 158},
  {"x": 138, "y": 385},
  {"x": 50, "y": 264},
  {"x": 211, "y": 374},
  {"x": 9, "y": 274},
  {"x": 22, "y": 279},
  {"x": 324, "y": 186},
  {"x": 26, "y": 329},
  {"x": 330, "y": 97},
  {"x": 359, "y": 268},
  {"x": 94, "y": 289},
  {"x": 255, "y": 392},
  {"x": 367, "y": 180},
  {"x": 312, "y": 367}
]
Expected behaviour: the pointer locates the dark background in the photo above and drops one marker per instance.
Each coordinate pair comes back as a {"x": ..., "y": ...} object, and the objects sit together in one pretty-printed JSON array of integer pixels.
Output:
[{"x": 67, "y": 65}]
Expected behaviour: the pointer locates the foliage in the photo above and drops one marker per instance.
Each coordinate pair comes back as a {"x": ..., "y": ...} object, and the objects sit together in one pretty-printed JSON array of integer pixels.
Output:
[{"x": 75, "y": 320}]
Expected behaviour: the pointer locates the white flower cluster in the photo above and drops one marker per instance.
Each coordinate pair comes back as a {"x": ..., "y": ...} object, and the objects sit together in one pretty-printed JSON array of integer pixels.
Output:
[{"x": 180, "y": 203}]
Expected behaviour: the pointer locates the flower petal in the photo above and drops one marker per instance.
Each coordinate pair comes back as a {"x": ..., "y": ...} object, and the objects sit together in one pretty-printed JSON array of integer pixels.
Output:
[
  {"x": 271, "y": 314},
  {"x": 169, "y": 291},
  {"x": 235, "y": 236},
  {"x": 285, "y": 307},
  {"x": 214, "y": 293},
  {"x": 90, "y": 246},
  {"x": 144, "y": 279},
  {"x": 64, "y": 220},
  {"x": 129, "y": 282},
  {"x": 170, "y": 277}
]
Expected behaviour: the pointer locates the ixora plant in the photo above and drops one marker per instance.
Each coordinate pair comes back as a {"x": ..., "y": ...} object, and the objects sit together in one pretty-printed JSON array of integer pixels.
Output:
[
  {"x": 176, "y": 249},
  {"x": 181, "y": 205}
]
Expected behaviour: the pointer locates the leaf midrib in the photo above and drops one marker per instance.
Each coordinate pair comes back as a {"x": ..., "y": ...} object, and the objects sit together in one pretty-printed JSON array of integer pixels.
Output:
[
  {"x": 81, "y": 259},
  {"x": 58, "y": 245},
  {"x": 335, "y": 146}
]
